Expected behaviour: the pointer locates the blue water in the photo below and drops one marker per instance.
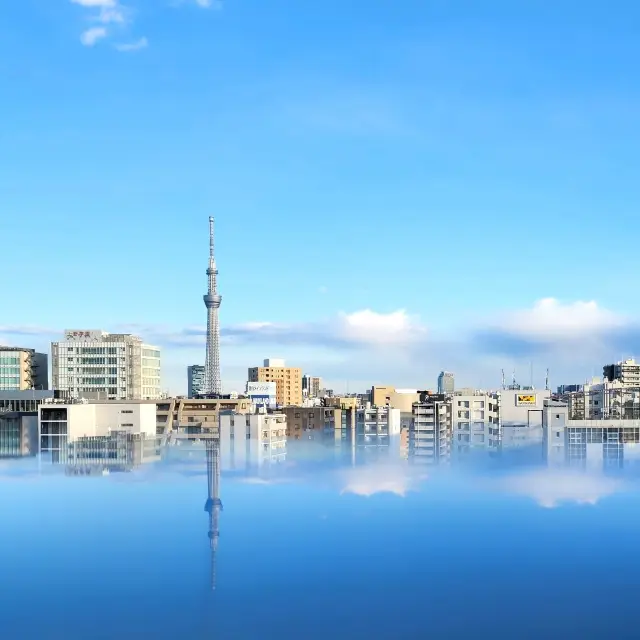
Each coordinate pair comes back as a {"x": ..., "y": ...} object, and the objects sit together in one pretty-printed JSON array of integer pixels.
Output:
[{"x": 319, "y": 551}]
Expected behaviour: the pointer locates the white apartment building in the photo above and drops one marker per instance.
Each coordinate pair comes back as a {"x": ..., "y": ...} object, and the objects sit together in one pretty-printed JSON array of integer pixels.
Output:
[
  {"x": 430, "y": 430},
  {"x": 105, "y": 366},
  {"x": 252, "y": 439},
  {"x": 61, "y": 423},
  {"x": 378, "y": 421},
  {"x": 475, "y": 422},
  {"x": 521, "y": 417},
  {"x": 589, "y": 443}
]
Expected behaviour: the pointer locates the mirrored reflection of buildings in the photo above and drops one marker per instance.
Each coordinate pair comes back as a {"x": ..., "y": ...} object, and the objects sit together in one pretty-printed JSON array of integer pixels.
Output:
[
  {"x": 18, "y": 434},
  {"x": 597, "y": 424},
  {"x": 606, "y": 444},
  {"x": 355, "y": 434},
  {"x": 19, "y": 421},
  {"x": 213, "y": 505},
  {"x": 475, "y": 424},
  {"x": 92, "y": 438},
  {"x": 116, "y": 451},
  {"x": 254, "y": 440}
]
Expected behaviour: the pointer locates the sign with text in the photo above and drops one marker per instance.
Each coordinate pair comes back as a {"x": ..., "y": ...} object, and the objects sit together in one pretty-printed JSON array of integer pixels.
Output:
[
  {"x": 525, "y": 400},
  {"x": 261, "y": 389}
]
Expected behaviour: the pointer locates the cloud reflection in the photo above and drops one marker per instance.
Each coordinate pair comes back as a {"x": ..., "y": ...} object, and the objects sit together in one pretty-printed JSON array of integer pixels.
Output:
[
  {"x": 552, "y": 488},
  {"x": 369, "y": 480}
]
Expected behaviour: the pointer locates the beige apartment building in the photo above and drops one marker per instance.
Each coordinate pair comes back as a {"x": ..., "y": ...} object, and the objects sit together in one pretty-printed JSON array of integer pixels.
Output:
[
  {"x": 180, "y": 413},
  {"x": 301, "y": 419},
  {"x": 342, "y": 402},
  {"x": 402, "y": 399},
  {"x": 288, "y": 381}
]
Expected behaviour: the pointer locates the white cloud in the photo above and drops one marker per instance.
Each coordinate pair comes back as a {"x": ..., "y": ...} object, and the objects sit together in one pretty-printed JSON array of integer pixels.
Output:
[
  {"x": 369, "y": 480},
  {"x": 107, "y": 13},
  {"x": 209, "y": 4},
  {"x": 95, "y": 3},
  {"x": 142, "y": 43},
  {"x": 380, "y": 328},
  {"x": 551, "y": 318},
  {"x": 552, "y": 488},
  {"x": 264, "y": 481},
  {"x": 203, "y": 4},
  {"x": 361, "y": 347},
  {"x": 91, "y": 36}
]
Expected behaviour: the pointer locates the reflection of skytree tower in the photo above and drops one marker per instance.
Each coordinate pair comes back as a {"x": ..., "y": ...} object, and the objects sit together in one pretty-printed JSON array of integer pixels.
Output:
[{"x": 213, "y": 505}]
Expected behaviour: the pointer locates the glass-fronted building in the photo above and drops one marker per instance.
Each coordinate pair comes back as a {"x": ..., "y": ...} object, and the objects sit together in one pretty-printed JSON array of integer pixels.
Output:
[
  {"x": 195, "y": 380},
  {"x": 104, "y": 366},
  {"x": 22, "y": 369}
]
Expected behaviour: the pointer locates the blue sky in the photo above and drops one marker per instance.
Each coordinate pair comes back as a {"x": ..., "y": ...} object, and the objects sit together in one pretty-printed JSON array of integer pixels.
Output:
[{"x": 397, "y": 186}]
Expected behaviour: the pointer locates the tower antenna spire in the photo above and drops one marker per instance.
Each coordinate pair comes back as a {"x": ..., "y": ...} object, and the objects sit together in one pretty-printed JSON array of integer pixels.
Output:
[
  {"x": 212, "y": 300},
  {"x": 211, "y": 238}
]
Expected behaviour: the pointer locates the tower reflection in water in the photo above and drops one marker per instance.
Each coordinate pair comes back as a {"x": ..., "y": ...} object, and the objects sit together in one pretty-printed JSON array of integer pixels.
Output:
[{"x": 213, "y": 506}]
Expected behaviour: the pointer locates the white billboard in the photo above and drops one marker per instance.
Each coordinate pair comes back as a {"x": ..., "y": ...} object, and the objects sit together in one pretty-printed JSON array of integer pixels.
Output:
[{"x": 261, "y": 389}]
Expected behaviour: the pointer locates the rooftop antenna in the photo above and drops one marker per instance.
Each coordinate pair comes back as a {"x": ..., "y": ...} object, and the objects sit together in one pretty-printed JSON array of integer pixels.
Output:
[
  {"x": 504, "y": 384},
  {"x": 546, "y": 380},
  {"x": 531, "y": 373},
  {"x": 513, "y": 379}
]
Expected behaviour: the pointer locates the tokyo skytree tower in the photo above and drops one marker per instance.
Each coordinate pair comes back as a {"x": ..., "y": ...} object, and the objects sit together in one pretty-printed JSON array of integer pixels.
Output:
[{"x": 212, "y": 300}]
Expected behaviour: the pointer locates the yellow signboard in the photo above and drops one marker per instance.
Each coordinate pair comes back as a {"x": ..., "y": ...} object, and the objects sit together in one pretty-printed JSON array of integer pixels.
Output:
[{"x": 525, "y": 400}]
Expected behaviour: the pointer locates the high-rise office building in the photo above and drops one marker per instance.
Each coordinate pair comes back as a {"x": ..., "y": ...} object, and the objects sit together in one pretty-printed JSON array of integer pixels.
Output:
[
  {"x": 626, "y": 372},
  {"x": 195, "y": 380},
  {"x": 288, "y": 380},
  {"x": 311, "y": 386},
  {"x": 446, "y": 382},
  {"x": 107, "y": 366},
  {"x": 22, "y": 369}
]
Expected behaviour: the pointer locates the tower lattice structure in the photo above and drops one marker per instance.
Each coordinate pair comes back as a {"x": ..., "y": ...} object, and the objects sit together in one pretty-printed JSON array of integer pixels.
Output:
[{"x": 212, "y": 300}]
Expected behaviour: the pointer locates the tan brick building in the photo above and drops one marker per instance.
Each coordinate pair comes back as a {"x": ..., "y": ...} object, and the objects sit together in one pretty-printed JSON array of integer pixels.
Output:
[{"x": 288, "y": 381}]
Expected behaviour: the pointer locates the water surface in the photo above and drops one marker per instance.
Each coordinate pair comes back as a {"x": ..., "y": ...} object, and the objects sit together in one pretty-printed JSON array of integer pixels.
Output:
[{"x": 322, "y": 546}]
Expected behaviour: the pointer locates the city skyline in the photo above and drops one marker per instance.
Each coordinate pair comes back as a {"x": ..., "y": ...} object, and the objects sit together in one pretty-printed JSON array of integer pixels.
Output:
[{"x": 323, "y": 159}]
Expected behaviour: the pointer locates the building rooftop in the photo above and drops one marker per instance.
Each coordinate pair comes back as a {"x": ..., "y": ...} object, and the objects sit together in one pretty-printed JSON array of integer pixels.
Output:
[{"x": 28, "y": 394}]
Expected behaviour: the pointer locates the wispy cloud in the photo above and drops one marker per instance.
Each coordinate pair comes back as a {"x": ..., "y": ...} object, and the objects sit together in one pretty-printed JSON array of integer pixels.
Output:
[
  {"x": 91, "y": 36},
  {"x": 110, "y": 16},
  {"x": 364, "y": 328},
  {"x": 114, "y": 19},
  {"x": 142, "y": 43},
  {"x": 203, "y": 4},
  {"x": 209, "y": 4}
]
